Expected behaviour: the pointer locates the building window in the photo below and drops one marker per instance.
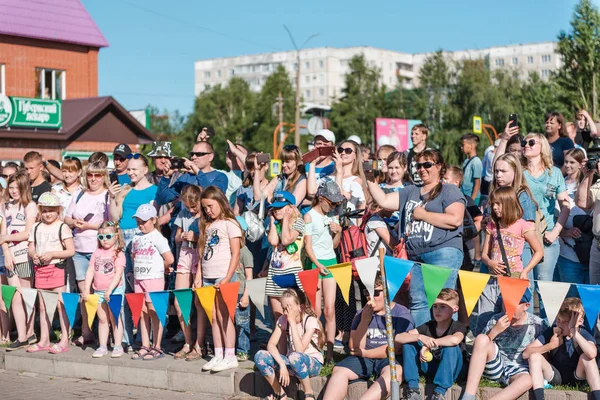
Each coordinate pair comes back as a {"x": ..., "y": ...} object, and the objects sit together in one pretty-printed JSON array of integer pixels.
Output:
[
  {"x": 2, "y": 79},
  {"x": 307, "y": 93},
  {"x": 321, "y": 92},
  {"x": 546, "y": 73},
  {"x": 307, "y": 65},
  {"x": 232, "y": 72},
  {"x": 50, "y": 84},
  {"x": 206, "y": 74},
  {"x": 295, "y": 66},
  {"x": 500, "y": 62},
  {"x": 321, "y": 64},
  {"x": 530, "y": 60},
  {"x": 515, "y": 61},
  {"x": 546, "y": 58},
  {"x": 218, "y": 73},
  {"x": 307, "y": 79}
]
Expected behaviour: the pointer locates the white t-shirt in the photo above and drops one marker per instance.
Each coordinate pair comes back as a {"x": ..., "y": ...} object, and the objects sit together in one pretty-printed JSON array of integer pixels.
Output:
[
  {"x": 47, "y": 238},
  {"x": 146, "y": 253},
  {"x": 374, "y": 223},
  {"x": 322, "y": 242},
  {"x": 352, "y": 186}
]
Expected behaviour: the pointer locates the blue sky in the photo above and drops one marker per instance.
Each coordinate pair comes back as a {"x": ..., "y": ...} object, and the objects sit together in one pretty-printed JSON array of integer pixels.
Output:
[{"x": 154, "y": 43}]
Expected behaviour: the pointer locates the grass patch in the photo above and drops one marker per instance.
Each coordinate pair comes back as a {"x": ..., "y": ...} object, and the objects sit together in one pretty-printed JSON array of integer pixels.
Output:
[{"x": 487, "y": 383}]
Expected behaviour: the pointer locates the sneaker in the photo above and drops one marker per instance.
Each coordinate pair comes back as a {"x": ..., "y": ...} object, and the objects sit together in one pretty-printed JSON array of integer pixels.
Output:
[
  {"x": 225, "y": 364},
  {"x": 211, "y": 364},
  {"x": 178, "y": 338},
  {"x": 32, "y": 339},
  {"x": 338, "y": 345},
  {"x": 437, "y": 396},
  {"x": 100, "y": 352},
  {"x": 117, "y": 352},
  {"x": 242, "y": 356},
  {"x": 413, "y": 394},
  {"x": 16, "y": 345}
]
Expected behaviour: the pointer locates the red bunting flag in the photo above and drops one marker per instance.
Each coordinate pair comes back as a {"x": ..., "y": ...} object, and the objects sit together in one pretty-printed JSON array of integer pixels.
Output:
[
  {"x": 512, "y": 290},
  {"x": 136, "y": 303},
  {"x": 229, "y": 293},
  {"x": 310, "y": 283}
]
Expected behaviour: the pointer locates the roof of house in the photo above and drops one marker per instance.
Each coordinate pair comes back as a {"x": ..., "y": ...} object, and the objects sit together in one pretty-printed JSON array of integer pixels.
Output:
[
  {"x": 97, "y": 119},
  {"x": 55, "y": 20}
]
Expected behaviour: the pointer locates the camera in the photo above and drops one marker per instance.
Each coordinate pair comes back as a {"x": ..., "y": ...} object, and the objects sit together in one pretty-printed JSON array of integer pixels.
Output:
[
  {"x": 177, "y": 163},
  {"x": 592, "y": 163}
]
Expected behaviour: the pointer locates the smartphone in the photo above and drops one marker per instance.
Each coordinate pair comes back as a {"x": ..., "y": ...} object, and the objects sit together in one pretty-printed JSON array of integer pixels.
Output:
[
  {"x": 88, "y": 217},
  {"x": 326, "y": 151},
  {"x": 263, "y": 158},
  {"x": 310, "y": 156},
  {"x": 113, "y": 178},
  {"x": 514, "y": 120},
  {"x": 375, "y": 165}
]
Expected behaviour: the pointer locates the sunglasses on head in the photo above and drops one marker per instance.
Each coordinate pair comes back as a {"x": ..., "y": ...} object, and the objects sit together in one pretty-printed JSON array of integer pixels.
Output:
[
  {"x": 71, "y": 158},
  {"x": 290, "y": 147},
  {"x": 529, "y": 142},
  {"x": 107, "y": 236},
  {"x": 426, "y": 165},
  {"x": 198, "y": 154},
  {"x": 346, "y": 150},
  {"x": 135, "y": 156}
]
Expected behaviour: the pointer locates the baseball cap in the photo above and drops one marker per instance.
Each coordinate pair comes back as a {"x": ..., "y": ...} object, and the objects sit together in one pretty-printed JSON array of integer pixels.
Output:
[
  {"x": 326, "y": 134},
  {"x": 331, "y": 191},
  {"x": 282, "y": 199},
  {"x": 242, "y": 223},
  {"x": 160, "y": 149},
  {"x": 122, "y": 150},
  {"x": 355, "y": 139},
  {"x": 49, "y": 199},
  {"x": 145, "y": 212}
]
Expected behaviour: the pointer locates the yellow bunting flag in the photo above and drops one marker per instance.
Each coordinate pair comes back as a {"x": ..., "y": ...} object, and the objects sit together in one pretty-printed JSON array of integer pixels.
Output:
[
  {"x": 342, "y": 273},
  {"x": 206, "y": 295},
  {"x": 91, "y": 306},
  {"x": 472, "y": 285}
]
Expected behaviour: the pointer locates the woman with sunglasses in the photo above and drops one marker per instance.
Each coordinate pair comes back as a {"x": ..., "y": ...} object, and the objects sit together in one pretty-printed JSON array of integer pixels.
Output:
[
  {"x": 71, "y": 181},
  {"x": 431, "y": 223},
  {"x": 350, "y": 176},
  {"x": 88, "y": 209}
]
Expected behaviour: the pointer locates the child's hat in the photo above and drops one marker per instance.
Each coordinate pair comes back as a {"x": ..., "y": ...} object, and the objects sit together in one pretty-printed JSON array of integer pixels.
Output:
[
  {"x": 145, "y": 212},
  {"x": 282, "y": 199},
  {"x": 49, "y": 199},
  {"x": 242, "y": 223}
]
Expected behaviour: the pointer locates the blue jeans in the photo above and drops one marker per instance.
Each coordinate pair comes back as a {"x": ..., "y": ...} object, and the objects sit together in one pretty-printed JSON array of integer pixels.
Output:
[
  {"x": 545, "y": 271},
  {"x": 443, "y": 371},
  {"x": 242, "y": 322},
  {"x": 301, "y": 365},
  {"x": 446, "y": 257},
  {"x": 572, "y": 272}
]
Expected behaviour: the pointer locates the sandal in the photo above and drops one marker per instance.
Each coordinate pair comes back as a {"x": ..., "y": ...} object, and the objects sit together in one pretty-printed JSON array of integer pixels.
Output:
[
  {"x": 56, "y": 349},
  {"x": 138, "y": 354},
  {"x": 196, "y": 354},
  {"x": 81, "y": 341},
  {"x": 36, "y": 348},
  {"x": 154, "y": 354},
  {"x": 181, "y": 354},
  {"x": 278, "y": 397}
]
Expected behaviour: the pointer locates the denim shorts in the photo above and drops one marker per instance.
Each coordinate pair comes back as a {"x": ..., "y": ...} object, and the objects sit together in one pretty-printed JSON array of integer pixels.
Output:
[
  {"x": 118, "y": 290},
  {"x": 364, "y": 367},
  {"x": 81, "y": 261},
  {"x": 214, "y": 281}
]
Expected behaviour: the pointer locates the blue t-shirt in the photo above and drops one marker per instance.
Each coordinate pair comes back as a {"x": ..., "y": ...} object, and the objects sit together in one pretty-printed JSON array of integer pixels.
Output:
[
  {"x": 529, "y": 207},
  {"x": 558, "y": 150},
  {"x": 133, "y": 200},
  {"x": 472, "y": 169},
  {"x": 123, "y": 179},
  {"x": 321, "y": 174},
  {"x": 402, "y": 321},
  {"x": 545, "y": 189}
]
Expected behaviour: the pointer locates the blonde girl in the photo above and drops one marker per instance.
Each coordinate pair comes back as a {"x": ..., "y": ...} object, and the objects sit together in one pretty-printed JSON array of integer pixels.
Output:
[
  {"x": 292, "y": 178},
  {"x": 299, "y": 335},
  {"x": 187, "y": 268},
  {"x": 254, "y": 182},
  {"x": 107, "y": 266},
  {"x": 219, "y": 245},
  {"x": 71, "y": 180},
  {"x": 50, "y": 244},
  {"x": 20, "y": 213}
]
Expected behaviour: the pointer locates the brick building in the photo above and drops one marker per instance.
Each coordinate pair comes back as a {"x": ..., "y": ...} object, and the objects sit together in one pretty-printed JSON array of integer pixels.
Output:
[{"x": 49, "y": 51}]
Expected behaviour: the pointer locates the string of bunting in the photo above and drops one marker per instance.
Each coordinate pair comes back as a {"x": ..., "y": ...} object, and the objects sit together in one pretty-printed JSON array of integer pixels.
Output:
[{"x": 435, "y": 278}]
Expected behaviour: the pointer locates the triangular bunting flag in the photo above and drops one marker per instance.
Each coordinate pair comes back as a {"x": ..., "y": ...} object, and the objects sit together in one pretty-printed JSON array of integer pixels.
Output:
[
  {"x": 115, "y": 304},
  {"x": 396, "y": 271},
  {"x": 256, "y": 292},
  {"x": 342, "y": 273},
  {"x": 285, "y": 281},
  {"x": 367, "y": 270},
  {"x": 160, "y": 301},
  {"x": 91, "y": 306},
  {"x": 71, "y": 303},
  {"x": 434, "y": 280},
  {"x": 184, "y": 299},
  {"x": 135, "y": 301},
  {"x": 512, "y": 291},
  {"x": 8, "y": 292},
  {"x": 472, "y": 285},
  {"x": 206, "y": 295},
  {"x": 229, "y": 293},
  {"x": 29, "y": 297},
  {"x": 310, "y": 283},
  {"x": 50, "y": 300},
  {"x": 553, "y": 294},
  {"x": 590, "y": 297}
]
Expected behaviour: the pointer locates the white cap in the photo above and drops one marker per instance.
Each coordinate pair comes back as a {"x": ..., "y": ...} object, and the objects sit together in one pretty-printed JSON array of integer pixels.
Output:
[
  {"x": 327, "y": 134},
  {"x": 145, "y": 212},
  {"x": 355, "y": 139}
]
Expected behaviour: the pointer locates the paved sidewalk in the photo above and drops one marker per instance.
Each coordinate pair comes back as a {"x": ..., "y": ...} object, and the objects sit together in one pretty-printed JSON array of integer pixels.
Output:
[{"x": 25, "y": 385}]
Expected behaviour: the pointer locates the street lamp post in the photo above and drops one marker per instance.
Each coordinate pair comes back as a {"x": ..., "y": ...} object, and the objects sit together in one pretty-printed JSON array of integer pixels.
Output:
[{"x": 297, "y": 123}]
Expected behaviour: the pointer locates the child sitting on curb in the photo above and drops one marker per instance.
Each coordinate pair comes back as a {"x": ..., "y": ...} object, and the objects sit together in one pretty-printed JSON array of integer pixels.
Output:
[
  {"x": 498, "y": 351},
  {"x": 436, "y": 347},
  {"x": 571, "y": 349}
]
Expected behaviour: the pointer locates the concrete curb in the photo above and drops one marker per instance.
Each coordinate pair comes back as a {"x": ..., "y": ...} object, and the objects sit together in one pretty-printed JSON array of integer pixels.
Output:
[{"x": 187, "y": 376}]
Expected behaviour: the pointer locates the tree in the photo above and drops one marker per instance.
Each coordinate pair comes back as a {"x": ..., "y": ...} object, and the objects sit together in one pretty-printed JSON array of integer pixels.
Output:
[
  {"x": 434, "y": 80},
  {"x": 580, "y": 52}
]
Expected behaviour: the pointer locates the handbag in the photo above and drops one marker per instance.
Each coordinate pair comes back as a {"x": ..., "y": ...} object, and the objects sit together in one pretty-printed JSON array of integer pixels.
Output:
[{"x": 256, "y": 223}]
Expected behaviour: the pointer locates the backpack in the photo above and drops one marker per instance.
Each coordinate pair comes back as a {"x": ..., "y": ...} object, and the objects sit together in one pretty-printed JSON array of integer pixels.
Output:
[{"x": 353, "y": 243}]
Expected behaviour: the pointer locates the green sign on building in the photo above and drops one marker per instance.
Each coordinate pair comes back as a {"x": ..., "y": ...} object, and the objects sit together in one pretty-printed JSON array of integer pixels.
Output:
[{"x": 30, "y": 113}]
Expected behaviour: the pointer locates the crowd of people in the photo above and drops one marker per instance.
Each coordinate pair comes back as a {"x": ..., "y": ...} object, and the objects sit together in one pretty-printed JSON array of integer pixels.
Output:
[{"x": 529, "y": 210}]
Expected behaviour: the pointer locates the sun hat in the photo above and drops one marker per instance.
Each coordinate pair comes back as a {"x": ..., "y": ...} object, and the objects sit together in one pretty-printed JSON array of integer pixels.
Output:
[{"x": 49, "y": 199}]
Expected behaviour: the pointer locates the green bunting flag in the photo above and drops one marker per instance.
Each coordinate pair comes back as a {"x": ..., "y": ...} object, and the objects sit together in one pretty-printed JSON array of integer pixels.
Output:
[
  {"x": 184, "y": 298},
  {"x": 8, "y": 292},
  {"x": 434, "y": 279}
]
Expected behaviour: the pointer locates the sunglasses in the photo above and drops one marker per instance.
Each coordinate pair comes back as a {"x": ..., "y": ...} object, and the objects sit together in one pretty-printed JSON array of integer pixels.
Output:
[
  {"x": 529, "y": 142},
  {"x": 135, "y": 156},
  {"x": 346, "y": 150},
  {"x": 4, "y": 176},
  {"x": 198, "y": 154},
  {"x": 426, "y": 165},
  {"x": 106, "y": 236},
  {"x": 71, "y": 158},
  {"x": 94, "y": 176}
]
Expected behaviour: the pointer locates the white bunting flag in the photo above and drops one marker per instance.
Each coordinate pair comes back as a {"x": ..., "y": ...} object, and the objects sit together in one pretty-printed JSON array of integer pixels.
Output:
[
  {"x": 29, "y": 297},
  {"x": 367, "y": 270},
  {"x": 50, "y": 301},
  {"x": 256, "y": 292},
  {"x": 553, "y": 294}
]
